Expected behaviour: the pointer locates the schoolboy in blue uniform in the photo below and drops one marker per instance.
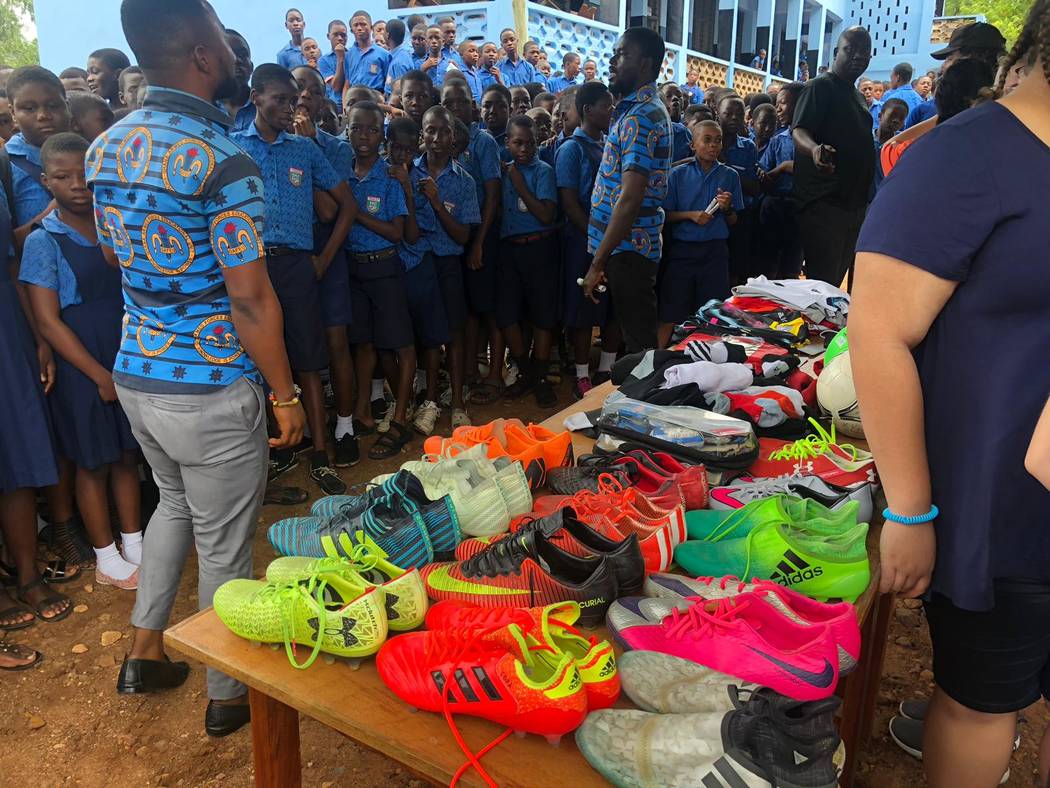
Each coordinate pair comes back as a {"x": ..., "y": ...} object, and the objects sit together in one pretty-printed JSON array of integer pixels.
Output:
[
  {"x": 779, "y": 244},
  {"x": 437, "y": 62},
  {"x": 575, "y": 170},
  {"x": 527, "y": 275},
  {"x": 570, "y": 74},
  {"x": 292, "y": 168},
  {"x": 377, "y": 288},
  {"x": 694, "y": 94},
  {"x": 333, "y": 65},
  {"x": 697, "y": 268},
  {"x": 366, "y": 62},
  {"x": 482, "y": 161},
  {"x": 417, "y": 95},
  {"x": 740, "y": 153},
  {"x": 291, "y": 54},
  {"x": 489, "y": 64},
  {"x": 515, "y": 69},
  {"x": 334, "y": 286},
  {"x": 681, "y": 139},
  {"x": 404, "y": 60},
  {"x": 470, "y": 56}
]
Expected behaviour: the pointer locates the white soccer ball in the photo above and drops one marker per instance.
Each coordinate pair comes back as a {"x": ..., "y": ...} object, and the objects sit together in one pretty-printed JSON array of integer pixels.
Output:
[{"x": 838, "y": 397}]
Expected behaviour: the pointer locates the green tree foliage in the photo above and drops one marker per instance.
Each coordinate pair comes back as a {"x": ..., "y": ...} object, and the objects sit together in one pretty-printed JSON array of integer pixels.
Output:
[
  {"x": 15, "y": 50},
  {"x": 1007, "y": 15}
]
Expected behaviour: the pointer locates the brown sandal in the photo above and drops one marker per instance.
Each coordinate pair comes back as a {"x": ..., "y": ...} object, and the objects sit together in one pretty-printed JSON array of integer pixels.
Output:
[{"x": 20, "y": 652}]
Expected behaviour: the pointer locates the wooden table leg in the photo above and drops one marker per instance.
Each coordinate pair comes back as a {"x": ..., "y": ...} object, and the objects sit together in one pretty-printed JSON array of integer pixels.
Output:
[
  {"x": 876, "y": 654},
  {"x": 275, "y": 742}
]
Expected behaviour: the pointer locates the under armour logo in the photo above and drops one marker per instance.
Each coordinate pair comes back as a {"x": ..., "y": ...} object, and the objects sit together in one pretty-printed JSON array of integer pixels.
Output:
[{"x": 345, "y": 631}]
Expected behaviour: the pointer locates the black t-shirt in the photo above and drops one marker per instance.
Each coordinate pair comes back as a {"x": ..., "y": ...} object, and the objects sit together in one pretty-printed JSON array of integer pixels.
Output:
[{"x": 835, "y": 113}]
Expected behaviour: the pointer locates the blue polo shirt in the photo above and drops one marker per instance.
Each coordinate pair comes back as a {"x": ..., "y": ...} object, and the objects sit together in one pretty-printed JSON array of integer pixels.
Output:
[
  {"x": 326, "y": 65},
  {"x": 576, "y": 165},
  {"x": 559, "y": 83},
  {"x": 639, "y": 140},
  {"x": 519, "y": 73},
  {"x": 691, "y": 189},
  {"x": 437, "y": 73},
  {"x": 481, "y": 160},
  {"x": 681, "y": 141},
  {"x": 177, "y": 201},
  {"x": 401, "y": 62},
  {"x": 245, "y": 117},
  {"x": 412, "y": 254},
  {"x": 924, "y": 111},
  {"x": 383, "y": 198},
  {"x": 548, "y": 153},
  {"x": 338, "y": 152},
  {"x": 44, "y": 265},
  {"x": 905, "y": 93},
  {"x": 457, "y": 192},
  {"x": 781, "y": 148},
  {"x": 292, "y": 167},
  {"x": 452, "y": 53},
  {"x": 30, "y": 197},
  {"x": 743, "y": 157},
  {"x": 473, "y": 76},
  {"x": 517, "y": 218},
  {"x": 366, "y": 67},
  {"x": 291, "y": 56},
  {"x": 486, "y": 78},
  {"x": 694, "y": 93}
]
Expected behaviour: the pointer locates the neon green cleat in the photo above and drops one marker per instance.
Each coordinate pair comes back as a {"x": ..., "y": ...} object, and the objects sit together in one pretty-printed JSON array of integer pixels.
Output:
[
  {"x": 820, "y": 565},
  {"x": 297, "y": 614},
  {"x": 405, "y": 597},
  {"x": 803, "y": 513}
]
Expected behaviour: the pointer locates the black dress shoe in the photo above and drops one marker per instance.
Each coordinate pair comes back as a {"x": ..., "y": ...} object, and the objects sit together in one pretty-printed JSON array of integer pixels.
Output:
[
  {"x": 150, "y": 675},
  {"x": 222, "y": 719}
]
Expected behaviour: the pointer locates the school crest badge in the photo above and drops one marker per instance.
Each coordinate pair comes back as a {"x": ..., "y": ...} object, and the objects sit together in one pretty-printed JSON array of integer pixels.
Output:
[
  {"x": 374, "y": 68},
  {"x": 295, "y": 176},
  {"x": 372, "y": 204}
]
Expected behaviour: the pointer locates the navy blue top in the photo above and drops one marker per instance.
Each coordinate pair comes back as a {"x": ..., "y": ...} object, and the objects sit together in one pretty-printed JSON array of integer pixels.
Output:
[
  {"x": 681, "y": 141},
  {"x": 922, "y": 112},
  {"x": 982, "y": 364},
  {"x": 517, "y": 218},
  {"x": 691, "y": 189},
  {"x": 781, "y": 148},
  {"x": 576, "y": 165}
]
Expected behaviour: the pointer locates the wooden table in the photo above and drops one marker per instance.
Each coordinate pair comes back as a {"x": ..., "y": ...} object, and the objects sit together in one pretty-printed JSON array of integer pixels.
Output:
[{"x": 357, "y": 703}]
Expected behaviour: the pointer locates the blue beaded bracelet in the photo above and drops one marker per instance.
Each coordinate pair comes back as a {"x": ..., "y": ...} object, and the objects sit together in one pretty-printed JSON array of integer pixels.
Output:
[{"x": 919, "y": 519}]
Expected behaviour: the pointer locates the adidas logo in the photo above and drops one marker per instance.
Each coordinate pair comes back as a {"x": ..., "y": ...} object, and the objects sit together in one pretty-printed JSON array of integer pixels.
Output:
[
  {"x": 470, "y": 692},
  {"x": 608, "y": 669},
  {"x": 792, "y": 570},
  {"x": 724, "y": 774}
]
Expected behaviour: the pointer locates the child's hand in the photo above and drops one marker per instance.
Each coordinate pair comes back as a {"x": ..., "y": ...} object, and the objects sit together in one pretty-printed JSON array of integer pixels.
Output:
[
  {"x": 429, "y": 189},
  {"x": 320, "y": 266},
  {"x": 475, "y": 261},
  {"x": 106, "y": 390},
  {"x": 429, "y": 63},
  {"x": 46, "y": 359},
  {"x": 702, "y": 217},
  {"x": 303, "y": 125},
  {"x": 400, "y": 174},
  {"x": 724, "y": 200}
]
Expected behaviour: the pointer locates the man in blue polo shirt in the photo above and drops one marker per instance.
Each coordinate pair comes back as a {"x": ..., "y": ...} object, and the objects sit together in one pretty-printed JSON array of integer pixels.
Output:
[
  {"x": 570, "y": 74},
  {"x": 291, "y": 54},
  {"x": 627, "y": 214},
  {"x": 178, "y": 207},
  {"x": 333, "y": 65},
  {"x": 366, "y": 61},
  {"x": 514, "y": 69}
]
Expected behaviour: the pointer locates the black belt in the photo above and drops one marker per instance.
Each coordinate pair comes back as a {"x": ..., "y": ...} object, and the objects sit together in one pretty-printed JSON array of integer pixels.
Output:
[
  {"x": 282, "y": 251},
  {"x": 528, "y": 239},
  {"x": 374, "y": 257}
]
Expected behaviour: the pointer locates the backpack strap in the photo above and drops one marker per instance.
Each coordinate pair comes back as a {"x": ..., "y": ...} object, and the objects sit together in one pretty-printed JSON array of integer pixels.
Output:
[{"x": 7, "y": 180}]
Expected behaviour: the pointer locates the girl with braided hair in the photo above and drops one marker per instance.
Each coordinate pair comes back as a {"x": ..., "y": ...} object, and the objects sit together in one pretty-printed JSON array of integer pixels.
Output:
[{"x": 949, "y": 329}]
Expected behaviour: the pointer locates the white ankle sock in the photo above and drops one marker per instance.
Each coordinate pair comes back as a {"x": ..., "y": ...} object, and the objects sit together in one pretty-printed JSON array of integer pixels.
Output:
[
  {"x": 605, "y": 363},
  {"x": 111, "y": 563},
  {"x": 131, "y": 547},
  {"x": 344, "y": 425},
  {"x": 377, "y": 388},
  {"x": 583, "y": 371}
]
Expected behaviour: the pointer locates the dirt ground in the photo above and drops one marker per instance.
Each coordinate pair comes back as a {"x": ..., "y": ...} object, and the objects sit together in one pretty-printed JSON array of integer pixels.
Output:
[{"x": 64, "y": 724}]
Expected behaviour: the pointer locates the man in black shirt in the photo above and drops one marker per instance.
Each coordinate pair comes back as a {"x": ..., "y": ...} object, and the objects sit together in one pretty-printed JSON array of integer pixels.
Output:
[{"x": 834, "y": 160}]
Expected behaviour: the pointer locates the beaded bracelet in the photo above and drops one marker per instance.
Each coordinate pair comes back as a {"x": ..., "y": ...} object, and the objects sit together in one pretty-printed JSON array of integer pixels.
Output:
[{"x": 918, "y": 519}]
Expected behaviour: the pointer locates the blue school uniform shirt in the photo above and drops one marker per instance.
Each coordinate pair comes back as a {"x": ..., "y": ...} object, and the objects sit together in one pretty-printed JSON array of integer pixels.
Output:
[
  {"x": 366, "y": 67},
  {"x": 460, "y": 198},
  {"x": 691, "y": 189},
  {"x": 520, "y": 73},
  {"x": 44, "y": 265},
  {"x": 291, "y": 56},
  {"x": 695, "y": 93},
  {"x": 473, "y": 76},
  {"x": 481, "y": 160},
  {"x": 291, "y": 167},
  {"x": 452, "y": 53},
  {"x": 548, "y": 154},
  {"x": 517, "y": 218},
  {"x": 559, "y": 83},
  {"x": 30, "y": 197},
  {"x": 338, "y": 152},
  {"x": 412, "y": 254},
  {"x": 743, "y": 157},
  {"x": 781, "y": 148},
  {"x": 486, "y": 78},
  {"x": 905, "y": 93},
  {"x": 326, "y": 65},
  {"x": 177, "y": 201},
  {"x": 681, "y": 141},
  {"x": 383, "y": 198},
  {"x": 639, "y": 140},
  {"x": 924, "y": 111},
  {"x": 576, "y": 165},
  {"x": 401, "y": 62},
  {"x": 437, "y": 73}
]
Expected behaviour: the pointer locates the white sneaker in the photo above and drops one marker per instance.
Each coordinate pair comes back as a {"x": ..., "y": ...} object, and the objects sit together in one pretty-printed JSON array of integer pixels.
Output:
[
  {"x": 426, "y": 417},
  {"x": 460, "y": 418},
  {"x": 744, "y": 490}
]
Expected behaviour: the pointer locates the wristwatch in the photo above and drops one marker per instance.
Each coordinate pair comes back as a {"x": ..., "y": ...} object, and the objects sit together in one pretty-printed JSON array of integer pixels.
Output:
[{"x": 287, "y": 403}]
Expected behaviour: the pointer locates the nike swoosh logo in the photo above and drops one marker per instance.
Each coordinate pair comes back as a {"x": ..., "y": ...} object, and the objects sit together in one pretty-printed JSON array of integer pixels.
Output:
[
  {"x": 820, "y": 680},
  {"x": 439, "y": 580}
]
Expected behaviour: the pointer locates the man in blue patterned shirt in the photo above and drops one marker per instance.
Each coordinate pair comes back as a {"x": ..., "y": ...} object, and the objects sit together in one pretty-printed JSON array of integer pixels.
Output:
[
  {"x": 627, "y": 216},
  {"x": 178, "y": 207}
]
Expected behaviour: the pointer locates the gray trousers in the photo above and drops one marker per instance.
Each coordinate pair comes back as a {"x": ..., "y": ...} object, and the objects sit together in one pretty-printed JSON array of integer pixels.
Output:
[{"x": 208, "y": 453}]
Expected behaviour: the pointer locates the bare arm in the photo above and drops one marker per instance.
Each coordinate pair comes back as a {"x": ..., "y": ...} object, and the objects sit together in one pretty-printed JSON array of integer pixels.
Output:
[
  {"x": 894, "y": 305},
  {"x": 488, "y": 216},
  {"x": 347, "y": 209},
  {"x": 44, "y": 356},
  {"x": 393, "y": 231},
  {"x": 325, "y": 207},
  {"x": 62, "y": 338},
  {"x": 460, "y": 233},
  {"x": 339, "y": 78},
  {"x": 544, "y": 210},
  {"x": 1037, "y": 460},
  {"x": 570, "y": 203}
]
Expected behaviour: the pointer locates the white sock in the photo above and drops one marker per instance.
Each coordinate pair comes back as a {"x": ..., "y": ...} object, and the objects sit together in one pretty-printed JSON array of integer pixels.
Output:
[
  {"x": 131, "y": 547},
  {"x": 344, "y": 425},
  {"x": 377, "y": 389},
  {"x": 421, "y": 381},
  {"x": 110, "y": 563},
  {"x": 606, "y": 361},
  {"x": 583, "y": 371}
]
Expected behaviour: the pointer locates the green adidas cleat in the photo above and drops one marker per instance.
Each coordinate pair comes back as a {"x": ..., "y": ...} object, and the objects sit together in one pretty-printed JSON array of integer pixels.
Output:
[
  {"x": 803, "y": 513},
  {"x": 405, "y": 597},
  {"x": 297, "y": 614},
  {"x": 820, "y": 565}
]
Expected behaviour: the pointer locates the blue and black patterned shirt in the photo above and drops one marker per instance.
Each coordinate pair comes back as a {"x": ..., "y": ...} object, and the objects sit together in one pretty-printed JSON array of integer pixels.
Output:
[
  {"x": 640, "y": 141},
  {"x": 177, "y": 201}
]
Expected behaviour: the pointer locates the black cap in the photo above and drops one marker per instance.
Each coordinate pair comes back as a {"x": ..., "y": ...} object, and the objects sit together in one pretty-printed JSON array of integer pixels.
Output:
[{"x": 976, "y": 35}]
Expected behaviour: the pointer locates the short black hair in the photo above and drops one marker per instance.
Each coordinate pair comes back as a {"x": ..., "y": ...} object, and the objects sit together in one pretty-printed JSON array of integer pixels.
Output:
[
  {"x": 130, "y": 71},
  {"x": 495, "y": 87},
  {"x": 755, "y": 100},
  {"x": 268, "y": 74},
  {"x": 522, "y": 121},
  {"x": 286, "y": 13},
  {"x": 32, "y": 75},
  {"x": 395, "y": 32},
  {"x": 369, "y": 106},
  {"x": 437, "y": 108},
  {"x": 651, "y": 44},
  {"x": 730, "y": 96},
  {"x": 894, "y": 103},
  {"x": 568, "y": 57},
  {"x": 414, "y": 20},
  {"x": 399, "y": 126},
  {"x": 793, "y": 89},
  {"x": 73, "y": 72},
  {"x": 461, "y": 128},
  {"x": 81, "y": 103},
  {"x": 416, "y": 75},
  {"x": 544, "y": 95},
  {"x": 66, "y": 142},
  {"x": 454, "y": 79},
  {"x": 308, "y": 67},
  {"x": 904, "y": 71},
  {"x": 335, "y": 22},
  {"x": 589, "y": 93},
  {"x": 445, "y": 20},
  {"x": 179, "y": 19},
  {"x": 363, "y": 13},
  {"x": 534, "y": 88},
  {"x": 113, "y": 58},
  {"x": 697, "y": 109}
]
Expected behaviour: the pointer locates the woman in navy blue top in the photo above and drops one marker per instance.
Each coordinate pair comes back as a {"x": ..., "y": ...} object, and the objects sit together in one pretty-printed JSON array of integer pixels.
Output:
[{"x": 950, "y": 338}]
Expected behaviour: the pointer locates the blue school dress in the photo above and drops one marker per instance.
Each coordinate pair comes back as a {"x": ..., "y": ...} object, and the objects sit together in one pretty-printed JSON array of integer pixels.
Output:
[
  {"x": 90, "y": 432},
  {"x": 27, "y": 454}
]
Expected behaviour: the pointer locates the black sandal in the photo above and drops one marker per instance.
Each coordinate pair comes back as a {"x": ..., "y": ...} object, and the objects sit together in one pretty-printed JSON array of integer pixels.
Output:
[
  {"x": 16, "y": 610},
  {"x": 486, "y": 392},
  {"x": 284, "y": 496},
  {"x": 56, "y": 571},
  {"x": 20, "y": 651},
  {"x": 69, "y": 542},
  {"x": 391, "y": 442},
  {"x": 49, "y": 600}
]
